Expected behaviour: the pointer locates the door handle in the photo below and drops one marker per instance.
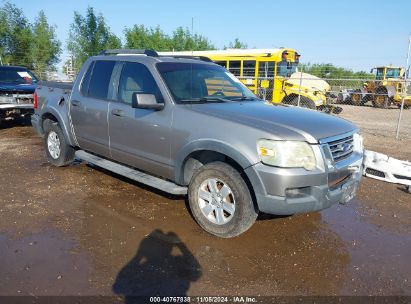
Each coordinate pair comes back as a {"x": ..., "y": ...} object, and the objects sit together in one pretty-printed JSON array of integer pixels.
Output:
[
  {"x": 117, "y": 112},
  {"x": 75, "y": 103}
]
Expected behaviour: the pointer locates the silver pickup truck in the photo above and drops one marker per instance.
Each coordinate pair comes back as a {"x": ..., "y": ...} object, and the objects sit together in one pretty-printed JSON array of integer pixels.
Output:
[{"x": 188, "y": 126}]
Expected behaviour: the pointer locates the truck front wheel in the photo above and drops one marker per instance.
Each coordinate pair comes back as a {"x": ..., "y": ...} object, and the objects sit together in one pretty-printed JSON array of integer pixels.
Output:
[
  {"x": 305, "y": 102},
  {"x": 58, "y": 152},
  {"x": 220, "y": 200}
]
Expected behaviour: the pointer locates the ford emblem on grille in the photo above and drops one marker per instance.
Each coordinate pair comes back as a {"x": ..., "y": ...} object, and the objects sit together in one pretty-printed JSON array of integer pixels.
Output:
[{"x": 346, "y": 147}]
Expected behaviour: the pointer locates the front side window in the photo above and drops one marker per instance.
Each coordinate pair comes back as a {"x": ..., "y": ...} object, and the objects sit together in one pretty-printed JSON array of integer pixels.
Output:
[
  {"x": 136, "y": 78},
  {"x": 189, "y": 82},
  {"x": 100, "y": 79}
]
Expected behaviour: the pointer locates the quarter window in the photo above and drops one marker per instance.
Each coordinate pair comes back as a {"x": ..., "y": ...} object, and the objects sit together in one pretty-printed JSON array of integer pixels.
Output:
[{"x": 100, "y": 80}]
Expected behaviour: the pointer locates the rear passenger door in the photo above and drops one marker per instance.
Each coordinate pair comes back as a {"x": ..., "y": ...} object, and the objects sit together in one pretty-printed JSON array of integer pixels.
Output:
[
  {"x": 89, "y": 107},
  {"x": 140, "y": 137}
]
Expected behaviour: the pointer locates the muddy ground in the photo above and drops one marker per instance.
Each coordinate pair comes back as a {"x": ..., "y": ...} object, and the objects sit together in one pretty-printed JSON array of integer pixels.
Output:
[{"x": 80, "y": 230}]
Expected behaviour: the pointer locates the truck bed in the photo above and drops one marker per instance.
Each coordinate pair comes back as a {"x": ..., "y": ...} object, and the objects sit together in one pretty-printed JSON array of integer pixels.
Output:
[{"x": 56, "y": 85}]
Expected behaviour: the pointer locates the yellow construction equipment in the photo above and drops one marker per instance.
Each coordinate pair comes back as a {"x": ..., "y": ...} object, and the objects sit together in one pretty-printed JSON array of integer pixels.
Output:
[{"x": 387, "y": 89}]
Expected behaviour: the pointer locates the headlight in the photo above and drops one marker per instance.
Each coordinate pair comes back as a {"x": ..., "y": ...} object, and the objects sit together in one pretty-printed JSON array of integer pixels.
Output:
[
  {"x": 358, "y": 143},
  {"x": 286, "y": 154}
]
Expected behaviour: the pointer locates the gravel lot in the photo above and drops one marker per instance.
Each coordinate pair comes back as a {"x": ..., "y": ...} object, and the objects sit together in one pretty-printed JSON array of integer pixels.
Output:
[{"x": 82, "y": 231}]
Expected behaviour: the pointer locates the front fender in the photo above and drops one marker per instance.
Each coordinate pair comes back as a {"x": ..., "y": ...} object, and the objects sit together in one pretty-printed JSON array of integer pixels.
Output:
[{"x": 208, "y": 145}]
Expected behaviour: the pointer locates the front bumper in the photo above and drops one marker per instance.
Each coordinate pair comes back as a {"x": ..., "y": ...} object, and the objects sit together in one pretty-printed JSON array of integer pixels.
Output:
[{"x": 284, "y": 191}]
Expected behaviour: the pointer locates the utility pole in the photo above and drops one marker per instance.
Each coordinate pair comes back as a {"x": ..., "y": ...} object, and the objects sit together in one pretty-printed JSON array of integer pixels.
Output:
[
  {"x": 192, "y": 35},
  {"x": 404, "y": 87}
]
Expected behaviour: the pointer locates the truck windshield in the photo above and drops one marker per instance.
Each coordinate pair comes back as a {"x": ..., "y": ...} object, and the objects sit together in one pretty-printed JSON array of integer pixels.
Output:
[
  {"x": 8, "y": 75},
  {"x": 194, "y": 82},
  {"x": 393, "y": 73}
]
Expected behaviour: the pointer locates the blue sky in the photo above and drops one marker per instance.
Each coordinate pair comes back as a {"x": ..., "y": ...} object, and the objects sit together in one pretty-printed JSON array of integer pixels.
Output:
[{"x": 353, "y": 34}]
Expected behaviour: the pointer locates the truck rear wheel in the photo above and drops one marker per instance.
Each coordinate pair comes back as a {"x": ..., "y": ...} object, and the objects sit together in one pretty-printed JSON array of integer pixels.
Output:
[
  {"x": 58, "y": 152},
  {"x": 220, "y": 200}
]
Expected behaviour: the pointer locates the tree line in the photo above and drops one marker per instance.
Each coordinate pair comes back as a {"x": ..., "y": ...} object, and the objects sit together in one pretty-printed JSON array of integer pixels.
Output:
[
  {"x": 33, "y": 45},
  {"x": 36, "y": 46}
]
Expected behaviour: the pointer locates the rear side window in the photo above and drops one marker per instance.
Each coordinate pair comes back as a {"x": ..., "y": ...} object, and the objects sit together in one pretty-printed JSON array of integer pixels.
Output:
[
  {"x": 136, "y": 78},
  {"x": 86, "y": 80},
  {"x": 100, "y": 79}
]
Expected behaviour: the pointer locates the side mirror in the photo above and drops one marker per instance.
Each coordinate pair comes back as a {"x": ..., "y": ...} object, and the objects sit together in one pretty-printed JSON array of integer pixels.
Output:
[
  {"x": 145, "y": 101},
  {"x": 372, "y": 71}
]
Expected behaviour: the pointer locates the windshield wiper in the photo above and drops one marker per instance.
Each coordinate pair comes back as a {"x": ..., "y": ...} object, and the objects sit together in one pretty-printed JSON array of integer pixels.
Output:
[
  {"x": 243, "y": 98},
  {"x": 205, "y": 99}
]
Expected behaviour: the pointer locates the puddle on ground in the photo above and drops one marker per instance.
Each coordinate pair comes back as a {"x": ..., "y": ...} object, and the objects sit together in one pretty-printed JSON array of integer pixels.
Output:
[
  {"x": 379, "y": 259},
  {"x": 43, "y": 264},
  {"x": 111, "y": 249}
]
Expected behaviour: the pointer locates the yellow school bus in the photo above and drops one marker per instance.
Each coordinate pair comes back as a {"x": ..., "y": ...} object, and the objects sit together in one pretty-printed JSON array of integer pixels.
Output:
[{"x": 271, "y": 74}]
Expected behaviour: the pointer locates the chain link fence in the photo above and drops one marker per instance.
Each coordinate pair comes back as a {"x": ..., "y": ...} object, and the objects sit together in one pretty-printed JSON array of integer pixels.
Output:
[{"x": 380, "y": 105}]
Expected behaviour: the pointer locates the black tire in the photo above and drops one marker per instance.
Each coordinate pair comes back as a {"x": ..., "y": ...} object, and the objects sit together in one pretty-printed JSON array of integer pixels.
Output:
[
  {"x": 66, "y": 152},
  {"x": 244, "y": 214},
  {"x": 381, "y": 99},
  {"x": 304, "y": 102},
  {"x": 356, "y": 98}
]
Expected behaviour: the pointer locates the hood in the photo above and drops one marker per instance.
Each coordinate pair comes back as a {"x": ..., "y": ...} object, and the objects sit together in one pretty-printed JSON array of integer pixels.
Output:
[
  {"x": 281, "y": 121},
  {"x": 309, "y": 81},
  {"x": 17, "y": 88}
]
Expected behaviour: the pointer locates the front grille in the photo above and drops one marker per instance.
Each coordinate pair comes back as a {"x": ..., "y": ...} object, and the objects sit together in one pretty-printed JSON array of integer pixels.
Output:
[{"x": 341, "y": 148}]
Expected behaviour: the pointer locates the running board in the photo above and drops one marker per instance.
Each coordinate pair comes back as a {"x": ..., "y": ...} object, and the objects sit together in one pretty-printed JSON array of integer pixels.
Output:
[{"x": 133, "y": 174}]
